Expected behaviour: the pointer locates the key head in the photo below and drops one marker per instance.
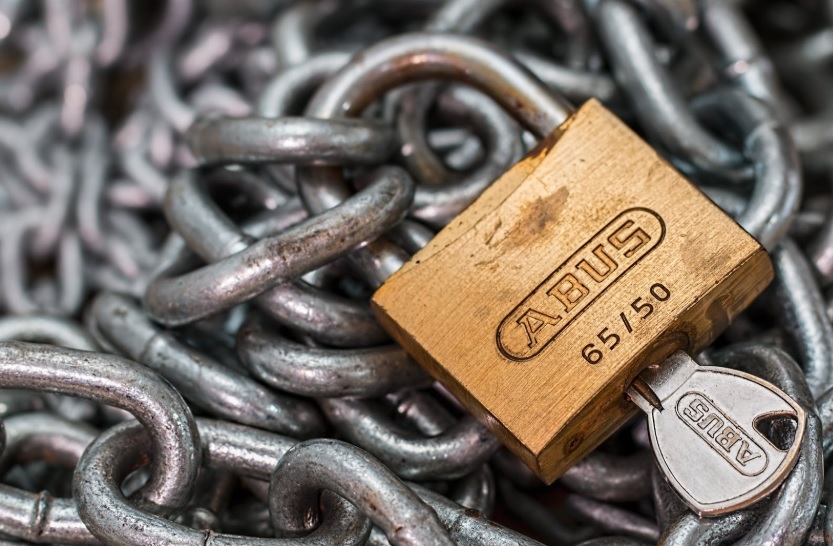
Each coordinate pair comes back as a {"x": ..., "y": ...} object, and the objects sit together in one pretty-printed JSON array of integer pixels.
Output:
[
  {"x": 706, "y": 435},
  {"x": 587, "y": 261}
]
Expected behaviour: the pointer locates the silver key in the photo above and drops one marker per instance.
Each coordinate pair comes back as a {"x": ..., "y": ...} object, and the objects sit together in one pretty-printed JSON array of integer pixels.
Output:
[{"x": 704, "y": 426}]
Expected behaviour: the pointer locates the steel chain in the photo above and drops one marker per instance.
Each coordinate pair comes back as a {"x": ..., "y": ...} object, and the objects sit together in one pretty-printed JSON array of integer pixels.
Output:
[{"x": 199, "y": 198}]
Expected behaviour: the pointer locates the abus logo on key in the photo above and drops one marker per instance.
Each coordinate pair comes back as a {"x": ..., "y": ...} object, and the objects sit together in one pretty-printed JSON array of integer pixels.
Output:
[
  {"x": 723, "y": 435},
  {"x": 577, "y": 282}
]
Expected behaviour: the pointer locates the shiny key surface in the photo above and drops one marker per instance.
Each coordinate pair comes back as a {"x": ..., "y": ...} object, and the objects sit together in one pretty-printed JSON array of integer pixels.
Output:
[{"x": 705, "y": 425}]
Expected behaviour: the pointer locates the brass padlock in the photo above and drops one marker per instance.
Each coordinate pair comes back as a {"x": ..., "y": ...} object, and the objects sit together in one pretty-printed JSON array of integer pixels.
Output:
[{"x": 588, "y": 261}]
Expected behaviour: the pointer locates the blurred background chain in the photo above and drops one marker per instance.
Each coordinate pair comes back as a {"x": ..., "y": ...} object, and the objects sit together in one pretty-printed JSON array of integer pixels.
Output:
[{"x": 198, "y": 198}]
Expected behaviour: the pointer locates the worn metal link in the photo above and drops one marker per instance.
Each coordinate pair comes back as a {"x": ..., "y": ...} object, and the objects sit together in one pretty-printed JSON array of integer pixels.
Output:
[{"x": 198, "y": 199}]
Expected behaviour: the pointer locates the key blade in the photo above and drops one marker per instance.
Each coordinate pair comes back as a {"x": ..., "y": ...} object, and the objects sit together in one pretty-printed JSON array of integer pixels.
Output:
[
  {"x": 658, "y": 381},
  {"x": 643, "y": 395},
  {"x": 705, "y": 437}
]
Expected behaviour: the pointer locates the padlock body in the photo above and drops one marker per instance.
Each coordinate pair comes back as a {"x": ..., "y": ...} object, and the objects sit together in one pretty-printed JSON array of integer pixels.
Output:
[{"x": 589, "y": 260}]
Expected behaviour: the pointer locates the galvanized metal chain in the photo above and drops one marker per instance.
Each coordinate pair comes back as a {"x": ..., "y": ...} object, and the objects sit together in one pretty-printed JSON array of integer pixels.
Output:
[{"x": 198, "y": 199}]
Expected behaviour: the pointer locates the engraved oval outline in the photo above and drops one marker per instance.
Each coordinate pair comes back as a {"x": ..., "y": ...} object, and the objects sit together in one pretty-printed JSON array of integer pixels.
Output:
[
  {"x": 728, "y": 420},
  {"x": 587, "y": 243}
]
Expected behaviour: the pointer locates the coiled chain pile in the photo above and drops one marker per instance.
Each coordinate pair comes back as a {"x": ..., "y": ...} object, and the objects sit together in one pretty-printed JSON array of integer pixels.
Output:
[{"x": 198, "y": 199}]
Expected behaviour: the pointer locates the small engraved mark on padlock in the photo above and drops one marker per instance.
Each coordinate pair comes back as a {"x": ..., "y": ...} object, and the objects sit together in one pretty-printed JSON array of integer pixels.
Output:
[
  {"x": 578, "y": 282},
  {"x": 727, "y": 438}
]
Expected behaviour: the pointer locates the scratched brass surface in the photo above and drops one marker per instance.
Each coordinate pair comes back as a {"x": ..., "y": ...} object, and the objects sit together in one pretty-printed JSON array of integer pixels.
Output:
[{"x": 587, "y": 261}]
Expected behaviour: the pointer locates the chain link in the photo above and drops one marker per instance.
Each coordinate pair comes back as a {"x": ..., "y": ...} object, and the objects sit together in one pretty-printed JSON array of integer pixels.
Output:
[{"x": 199, "y": 198}]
